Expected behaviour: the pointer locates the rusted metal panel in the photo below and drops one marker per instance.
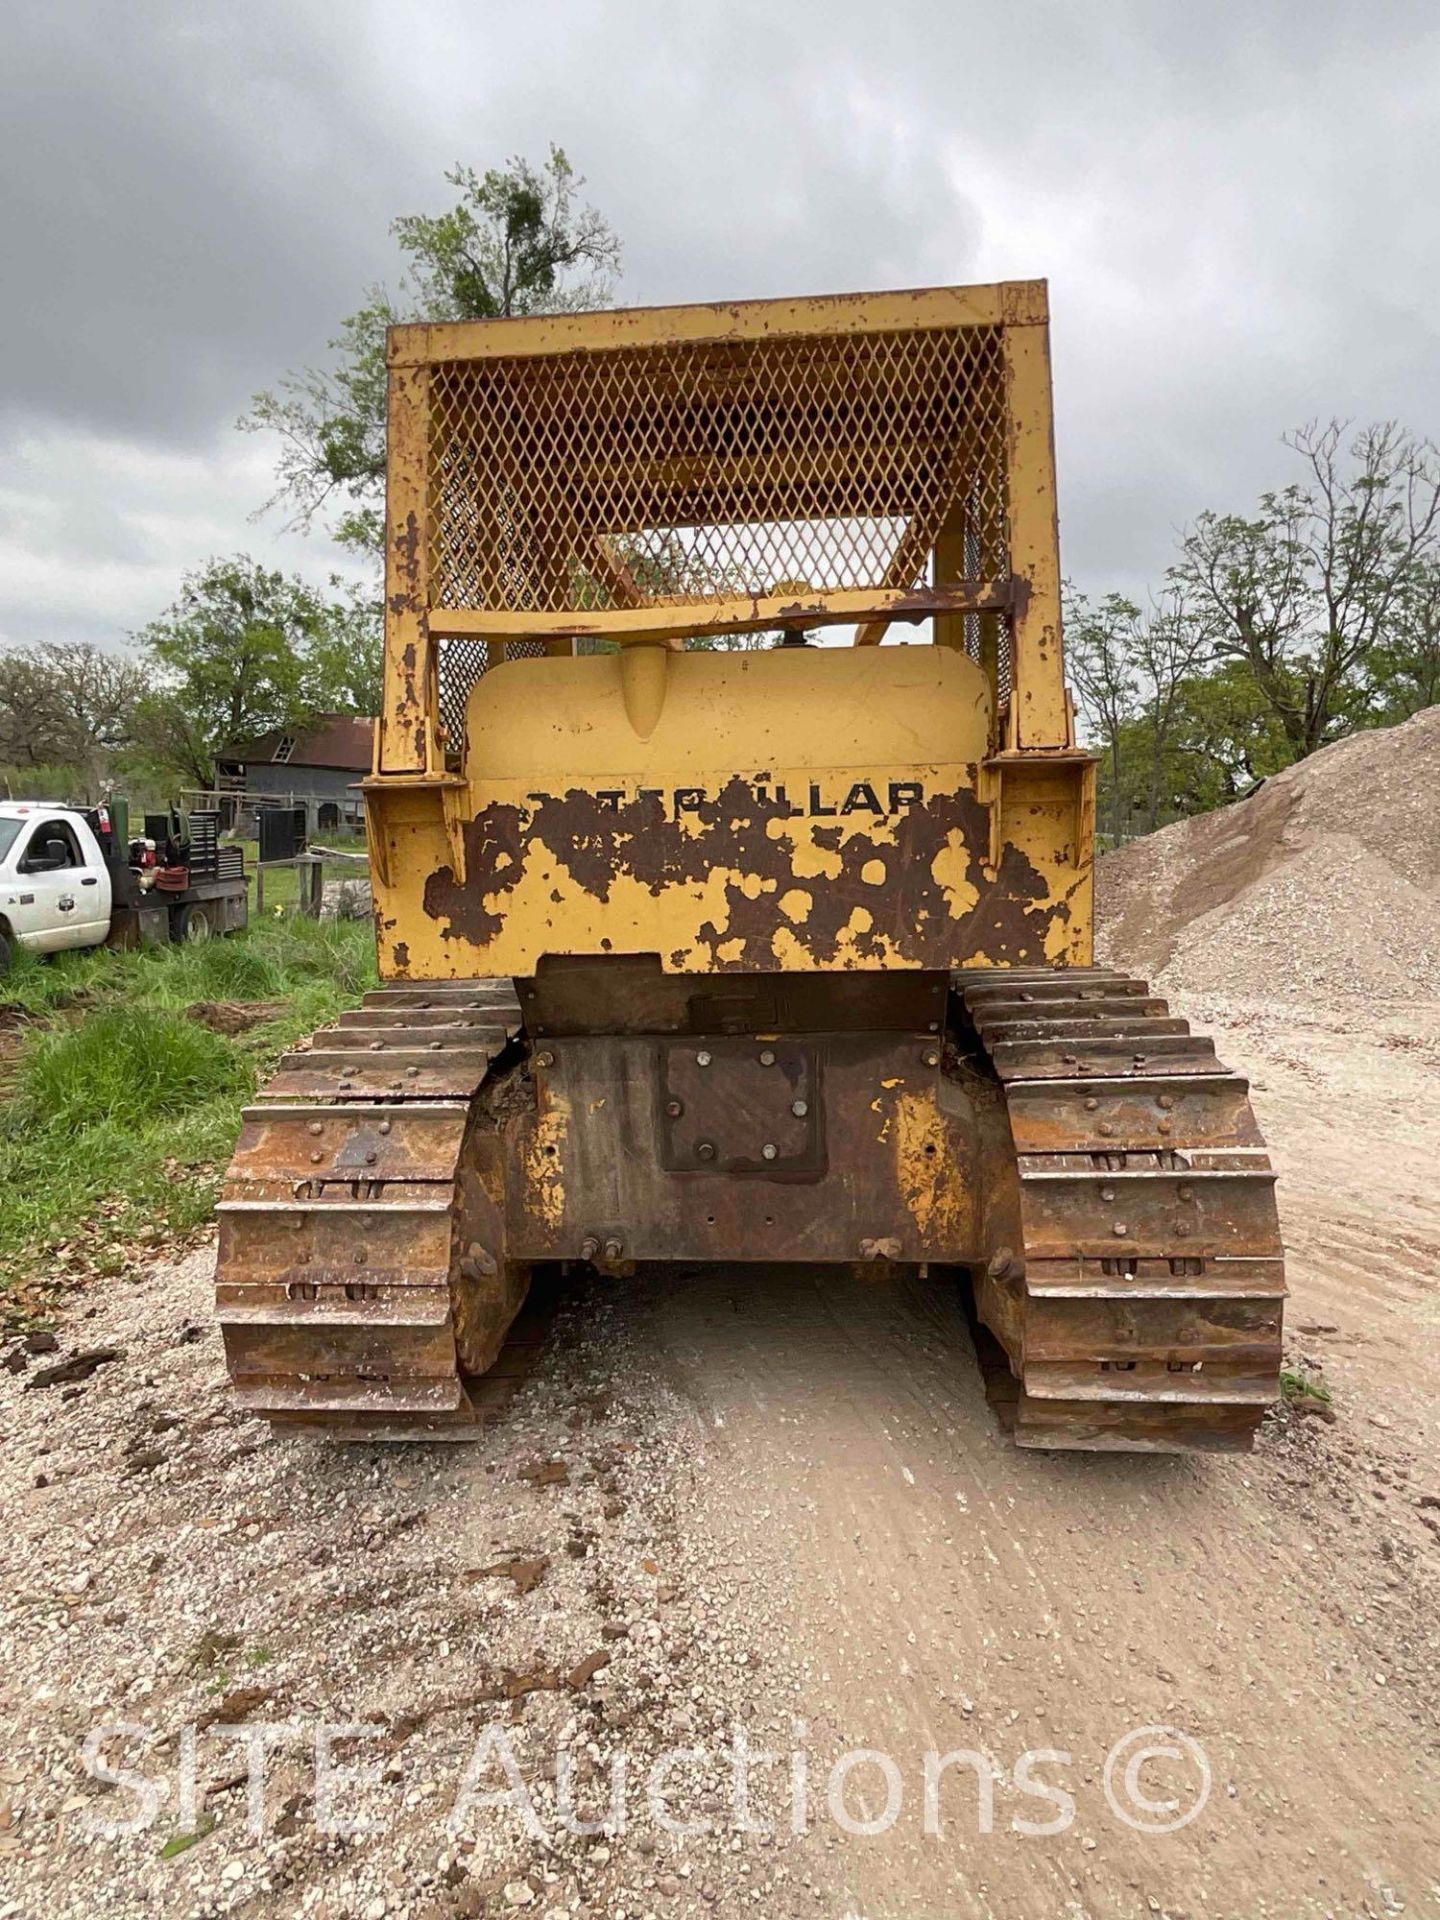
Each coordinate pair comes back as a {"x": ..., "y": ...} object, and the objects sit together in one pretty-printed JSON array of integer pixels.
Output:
[
  {"x": 420, "y": 1022},
  {"x": 1101, "y": 1426},
  {"x": 1084, "y": 1276},
  {"x": 1165, "y": 1054},
  {"x": 741, "y": 1106},
  {"x": 285, "y": 1190},
  {"x": 991, "y": 1012},
  {"x": 439, "y": 997},
  {"x": 631, "y": 993},
  {"x": 321, "y": 1074},
  {"x": 325, "y": 1348},
  {"x": 312, "y": 1244},
  {"x": 362, "y": 1303},
  {"x": 892, "y": 1169},
  {"x": 1120, "y": 1026},
  {"x": 475, "y": 1039},
  {"x": 1212, "y": 1336},
  {"x": 856, "y": 871},
  {"x": 1015, "y": 986},
  {"x": 355, "y": 1142},
  {"x": 407, "y": 1400},
  {"x": 1151, "y": 1213},
  {"x": 406, "y": 718},
  {"x": 1155, "y": 1387},
  {"x": 1070, "y": 1115}
]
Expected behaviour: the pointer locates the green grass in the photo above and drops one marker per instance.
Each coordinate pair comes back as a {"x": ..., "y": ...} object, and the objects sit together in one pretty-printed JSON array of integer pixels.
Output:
[
  {"x": 126, "y": 1068},
  {"x": 1297, "y": 1384},
  {"x": 120, "y": 1113}
]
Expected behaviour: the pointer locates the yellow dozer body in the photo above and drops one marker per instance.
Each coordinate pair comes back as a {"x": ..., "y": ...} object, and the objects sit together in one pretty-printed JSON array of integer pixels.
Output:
[{"x": 732, "y": 856}]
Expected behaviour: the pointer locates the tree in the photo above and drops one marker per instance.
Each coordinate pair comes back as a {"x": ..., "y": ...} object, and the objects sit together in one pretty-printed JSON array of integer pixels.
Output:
[
  {"x": 1217, "y": 744},
  {"x": 1172, "y": 647},
  {"x": 60, "y": 700},
  {"x": 1307, "y": 592},
  {"x": 344, "y": 663},
  {"x": 519, "y": 240},
  {"x": 67, "y": 704},
  {"x": 1405, "y": 666},
  {"x": 245, "y": 650},
  {"x": 1100, "y": 657}
]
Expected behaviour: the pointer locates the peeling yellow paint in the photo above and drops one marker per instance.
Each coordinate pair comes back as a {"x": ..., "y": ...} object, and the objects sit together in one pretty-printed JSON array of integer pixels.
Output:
[
  {"x": 788, "y": 949},
  {"x": 807, "y": 861},
  {"x": 927, "y": 1180},
  {"x": 950, "y": 869},
  {"x": 602, "y": 890},
  {"x": 545, "y": 1160}
]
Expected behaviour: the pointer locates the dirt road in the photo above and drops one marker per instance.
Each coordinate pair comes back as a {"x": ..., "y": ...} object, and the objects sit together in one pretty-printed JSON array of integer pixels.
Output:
[{"x": 776, "y": 1502}]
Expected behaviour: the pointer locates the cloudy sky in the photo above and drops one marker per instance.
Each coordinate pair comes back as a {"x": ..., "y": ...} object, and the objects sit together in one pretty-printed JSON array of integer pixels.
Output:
[{"x": 1235, "y": 205}]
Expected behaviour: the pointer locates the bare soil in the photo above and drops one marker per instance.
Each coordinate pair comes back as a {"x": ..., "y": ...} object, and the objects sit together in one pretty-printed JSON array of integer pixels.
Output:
[{"x": 785, "y": 1506}]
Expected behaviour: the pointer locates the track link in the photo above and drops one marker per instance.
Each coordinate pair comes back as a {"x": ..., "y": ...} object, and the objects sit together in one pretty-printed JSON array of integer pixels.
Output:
[
  {"x": 350, "y": 1291},
  {"x": 1142, "y": 1308}
]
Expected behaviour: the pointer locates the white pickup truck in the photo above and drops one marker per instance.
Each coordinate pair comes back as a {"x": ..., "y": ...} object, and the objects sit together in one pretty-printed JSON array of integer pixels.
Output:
[
  {"x": 71, "y": 877},
  {"x": 55, "y": 886}
]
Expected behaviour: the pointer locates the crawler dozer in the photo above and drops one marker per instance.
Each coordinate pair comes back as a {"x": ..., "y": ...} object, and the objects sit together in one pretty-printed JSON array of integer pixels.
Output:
[{"x": 732, "y": 856}]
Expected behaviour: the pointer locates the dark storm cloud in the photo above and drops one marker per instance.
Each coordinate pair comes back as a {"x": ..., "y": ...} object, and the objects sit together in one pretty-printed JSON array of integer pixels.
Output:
[
  {"x": 1233, "y": 204},
  {"x": 180, "y": 210}
]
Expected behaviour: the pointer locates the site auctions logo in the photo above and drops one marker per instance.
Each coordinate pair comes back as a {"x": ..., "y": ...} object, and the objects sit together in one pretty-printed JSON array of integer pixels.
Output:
[
  {"x": 1156, "y": 1780},
  {"x": 1124, "y": 1766}
]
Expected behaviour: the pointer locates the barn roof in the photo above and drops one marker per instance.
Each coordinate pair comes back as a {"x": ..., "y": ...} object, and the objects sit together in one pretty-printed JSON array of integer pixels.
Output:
[{"x": 330, "y": 740}]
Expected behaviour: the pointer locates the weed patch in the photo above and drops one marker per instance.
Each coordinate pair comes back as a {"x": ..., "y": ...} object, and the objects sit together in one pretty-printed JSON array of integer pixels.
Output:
[
  {"x": 1302, "y": 1392},
  {"x": 117, "y": 1068},
  {"x": 122, "y": 1111}
]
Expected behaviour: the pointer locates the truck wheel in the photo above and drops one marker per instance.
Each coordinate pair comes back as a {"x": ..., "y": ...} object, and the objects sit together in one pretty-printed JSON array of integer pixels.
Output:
[
  {"x": 6, "y": 950},
  {"x": 192, "y": 925}
]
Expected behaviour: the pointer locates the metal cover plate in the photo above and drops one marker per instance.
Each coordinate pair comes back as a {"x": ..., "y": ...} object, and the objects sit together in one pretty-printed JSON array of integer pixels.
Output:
[{"x": 736, "y": 1097}]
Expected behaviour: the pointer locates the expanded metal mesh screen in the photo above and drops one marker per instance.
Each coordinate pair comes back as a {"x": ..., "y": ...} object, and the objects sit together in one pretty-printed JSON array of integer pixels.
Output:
[
  {"x": 987, "y": 635},
  {"x": 664, "y": 475},
  {"x": 461, "y": 663}
]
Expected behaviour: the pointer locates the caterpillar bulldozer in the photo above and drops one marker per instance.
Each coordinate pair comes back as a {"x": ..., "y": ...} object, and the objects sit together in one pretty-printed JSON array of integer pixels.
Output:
[{"x": 732, "y": 856}]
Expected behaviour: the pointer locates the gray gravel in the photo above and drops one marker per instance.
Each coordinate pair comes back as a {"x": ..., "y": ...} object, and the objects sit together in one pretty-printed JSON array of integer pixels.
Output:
[{"x": 168, "y": 1564}]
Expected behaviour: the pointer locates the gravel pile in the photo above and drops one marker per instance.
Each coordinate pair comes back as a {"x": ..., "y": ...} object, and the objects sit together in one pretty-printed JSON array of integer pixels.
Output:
[{"x": 1326, "y": 881}]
